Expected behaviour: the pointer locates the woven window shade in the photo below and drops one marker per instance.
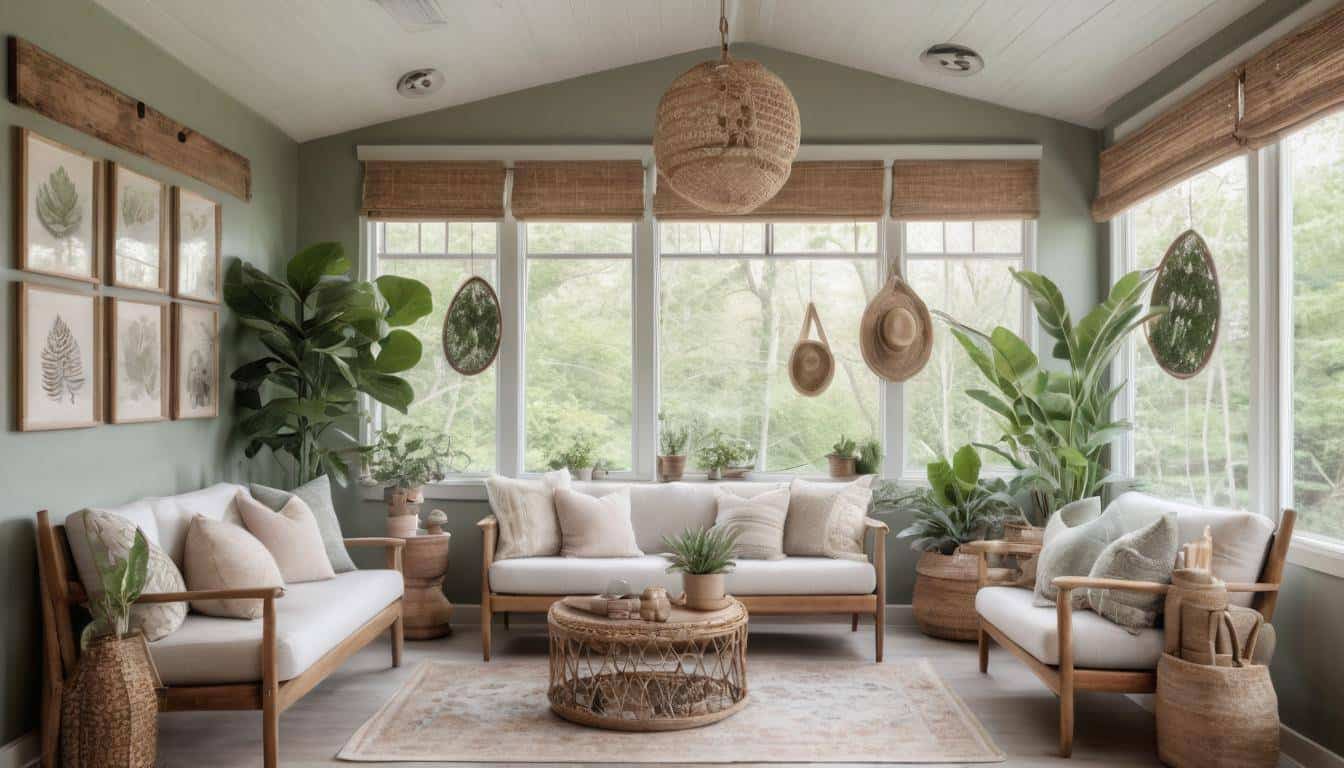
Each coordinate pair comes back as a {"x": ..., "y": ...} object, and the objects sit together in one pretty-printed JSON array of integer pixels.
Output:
[
  {"x": 396, "y": 189},
  {"x": 965, "y": 190},
  {"x": 1297, "y": 79},
  {"x": 606, "y": 190},
  {"x": 1195, "y": 135},
  {"x": 814, "y": 191}
]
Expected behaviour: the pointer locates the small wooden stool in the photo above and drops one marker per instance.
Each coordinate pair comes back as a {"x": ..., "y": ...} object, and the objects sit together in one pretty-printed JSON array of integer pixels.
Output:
[{"x": 426, "y": 611}]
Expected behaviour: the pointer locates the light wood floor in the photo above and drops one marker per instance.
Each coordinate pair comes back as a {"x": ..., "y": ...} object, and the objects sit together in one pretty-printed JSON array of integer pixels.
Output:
[{"x": 1017, "y": 710}]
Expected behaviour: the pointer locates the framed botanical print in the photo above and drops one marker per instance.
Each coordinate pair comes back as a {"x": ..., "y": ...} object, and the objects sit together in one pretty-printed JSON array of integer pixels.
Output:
[
  {"x": 60, "y": 202},
  {"x": 60, "y": 358},
  {"x": 138, "y": 227},
  {"x": 197, "y": 232},
  {"x": 195, "y": 362},
  {"x": 138, "y": 356}
]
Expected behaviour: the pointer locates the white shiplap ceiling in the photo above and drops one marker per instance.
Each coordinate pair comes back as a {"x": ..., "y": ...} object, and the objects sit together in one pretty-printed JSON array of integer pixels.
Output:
[{"x": 319, "y": 67}]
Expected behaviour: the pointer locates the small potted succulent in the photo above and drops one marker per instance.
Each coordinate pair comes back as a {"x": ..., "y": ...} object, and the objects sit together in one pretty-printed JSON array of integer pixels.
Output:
[
  {"x": 718, "y": 452},
  {"x": 841, "y": 458},
  {"x": 579, "y": 458},
  {"x": 703, "y": 556},
  {"x": 404, "y": 459},
  {"x": 869, "y": 460},
  {"x": 672, "y": 442}
]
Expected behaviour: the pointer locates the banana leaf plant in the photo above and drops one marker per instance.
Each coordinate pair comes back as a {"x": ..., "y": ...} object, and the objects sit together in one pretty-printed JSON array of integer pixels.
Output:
[
  {"x": 1057, "y": 423},
  {"x": 329, "y": 338}
]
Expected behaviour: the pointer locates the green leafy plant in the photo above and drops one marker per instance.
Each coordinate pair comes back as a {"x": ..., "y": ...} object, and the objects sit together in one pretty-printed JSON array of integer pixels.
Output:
[
  {"x": 122, "y": 581},
  {"x": 1056, "y": 424},
  {"x": 700, "y": 551},
  {"x": 957, "y": 507},
  {"x": 581, "y": 453},
  {"x": 328, "y": 338},
  {"x": 409, "y": 457},
  {"x": 844, "y": 448},
  {"x": 718, "y": 450},
  {"x": 869, "y": 460},
  {"x": 672, "y": 438}
]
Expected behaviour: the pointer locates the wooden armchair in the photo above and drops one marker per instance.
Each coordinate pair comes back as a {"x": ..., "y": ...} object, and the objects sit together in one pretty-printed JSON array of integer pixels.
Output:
[{"x": 1062, "y": 647}]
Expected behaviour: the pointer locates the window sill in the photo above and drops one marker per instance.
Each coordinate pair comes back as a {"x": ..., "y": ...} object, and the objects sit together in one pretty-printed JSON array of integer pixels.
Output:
[
  {"x": 1317, "y": 553},
  {"x": 473, "y": 488}
]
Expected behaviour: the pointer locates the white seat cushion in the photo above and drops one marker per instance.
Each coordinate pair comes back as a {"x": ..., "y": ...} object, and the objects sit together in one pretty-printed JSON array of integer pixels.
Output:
[
  {"x": 311, "y": 619},
  {"x": 590, "y": 576},
  {"x": 1097, "y": 643}
]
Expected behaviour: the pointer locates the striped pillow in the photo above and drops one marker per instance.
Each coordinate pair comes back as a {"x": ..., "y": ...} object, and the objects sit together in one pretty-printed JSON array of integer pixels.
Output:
[{"x": 757, "y": 521}]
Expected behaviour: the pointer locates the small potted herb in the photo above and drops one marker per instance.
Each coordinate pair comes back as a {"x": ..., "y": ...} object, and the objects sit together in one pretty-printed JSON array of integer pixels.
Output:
[
  {"x": 869, "y": 460},
  {"x": 717, "y": 452},
  {"x": 404, "y": 459},
  {"x": 703, "y": 556},
  {"x": 672, "y": 442},
  {"x": 578, "y": 458},
  {"x": 841, "y": 457}
]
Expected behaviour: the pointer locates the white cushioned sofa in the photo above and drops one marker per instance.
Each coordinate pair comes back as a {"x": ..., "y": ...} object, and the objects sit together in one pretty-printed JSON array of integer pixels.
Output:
[
  {"x": 213, "y": 663},
  {"x": 793, "y": 585}
]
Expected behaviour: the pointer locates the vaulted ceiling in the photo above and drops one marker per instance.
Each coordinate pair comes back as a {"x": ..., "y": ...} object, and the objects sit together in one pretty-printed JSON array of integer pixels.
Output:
[{"x": 319, "y": 67}]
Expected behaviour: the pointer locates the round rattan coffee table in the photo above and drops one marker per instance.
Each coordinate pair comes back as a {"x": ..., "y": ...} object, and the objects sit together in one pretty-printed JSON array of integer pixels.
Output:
[{"x": 633, "y": 675}]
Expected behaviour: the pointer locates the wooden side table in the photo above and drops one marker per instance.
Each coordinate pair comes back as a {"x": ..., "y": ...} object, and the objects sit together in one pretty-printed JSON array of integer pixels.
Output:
[{"x": 426, "y": 610}]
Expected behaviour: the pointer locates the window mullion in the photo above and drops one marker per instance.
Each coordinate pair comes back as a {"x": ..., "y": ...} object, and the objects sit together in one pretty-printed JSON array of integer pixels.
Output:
[
  {"x": 510, "y": 374},
  {"x": 645, "y": 378}
]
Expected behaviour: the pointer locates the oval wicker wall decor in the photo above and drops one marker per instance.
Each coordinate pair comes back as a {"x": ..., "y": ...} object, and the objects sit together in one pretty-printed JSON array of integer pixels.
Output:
[
  {"x": 472, "y": 327},
  {"x": 1183, "y": 340},
  {"x": 811, "y": 364}
]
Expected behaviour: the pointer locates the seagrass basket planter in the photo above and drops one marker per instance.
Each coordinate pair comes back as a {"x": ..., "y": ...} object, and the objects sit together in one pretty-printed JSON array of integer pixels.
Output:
[
  {"x": 110, "y": 707},
  {"x": 944, "y": 601},
  {"x": 1215, "y": 715}
]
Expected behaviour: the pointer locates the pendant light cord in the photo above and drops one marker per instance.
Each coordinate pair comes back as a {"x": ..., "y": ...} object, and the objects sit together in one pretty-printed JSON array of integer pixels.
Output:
[{"x": 723, "y": 31}]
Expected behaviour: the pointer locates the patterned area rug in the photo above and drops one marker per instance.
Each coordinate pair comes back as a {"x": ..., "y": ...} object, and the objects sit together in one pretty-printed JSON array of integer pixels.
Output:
[{"x": 825, "y": 712}]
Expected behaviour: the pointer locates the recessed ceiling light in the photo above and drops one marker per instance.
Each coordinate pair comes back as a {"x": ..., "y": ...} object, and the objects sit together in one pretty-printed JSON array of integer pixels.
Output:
[
  {"x": 419, "y": 82},
  {"x": 414, "y": 13},
  {"x": 952, "y": 59}
]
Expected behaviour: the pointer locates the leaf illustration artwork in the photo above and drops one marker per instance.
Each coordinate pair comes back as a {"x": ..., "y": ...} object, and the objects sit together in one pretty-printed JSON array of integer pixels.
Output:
[
  {"x": 196, "y": 222},
  {"x": 62, "y": 371},
  {"x": 58, "y": 205},
  {"x": 201, "y": 371},
  {"x": 140, "y": 359},
  {"x": 137, "y": 206}
]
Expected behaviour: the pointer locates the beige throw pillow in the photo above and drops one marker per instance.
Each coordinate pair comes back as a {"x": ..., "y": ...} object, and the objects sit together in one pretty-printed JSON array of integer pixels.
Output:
[
  {"x": 1072, "y": 550},
  {"x": 525, "y": 511},
  {"x": 757, "y": 521},
  {"x": 1147, "y": 554},
  {"x": 220, "y": 555},
  {"x": 845, "y": 529},
  {"x": 807, "y": 529},
  {"x": 291, "y": 535},
  {"x": 595, "y": 527},
  {"x": 95, "y": 530}
]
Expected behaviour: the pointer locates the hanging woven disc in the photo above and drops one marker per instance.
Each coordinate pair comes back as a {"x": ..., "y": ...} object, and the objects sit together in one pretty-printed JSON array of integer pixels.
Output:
[
  {"x": 472, "y": 328},
  {"x": 896, "y": 332},
  {"x": 1183, "y": 340},
  {"x": 811, "y": 364}
]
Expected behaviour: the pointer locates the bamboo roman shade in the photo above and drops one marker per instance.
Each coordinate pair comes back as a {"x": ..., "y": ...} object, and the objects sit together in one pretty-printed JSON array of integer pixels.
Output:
[
  {"x": 965, "y": 190},
  {"x": 814, "y": 191},
  {"x": 1297, "y": 79},
  {"x": 578, "y": 190},
  {"x": 395, "y": 189}
]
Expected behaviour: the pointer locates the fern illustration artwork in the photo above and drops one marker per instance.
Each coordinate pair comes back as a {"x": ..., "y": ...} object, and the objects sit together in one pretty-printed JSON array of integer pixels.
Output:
[
  {"x": 58, "y": 195},
  {"x": 1183, "y": 339},
  {"x": 472, "y": 328},
  {"x": 139, "y": 347},
  {"x": 58, "y": 205},
  {"x": 138, "y": 206},
  {"x": 62, "y": 369},
  {"x": 139, "y": 240}
]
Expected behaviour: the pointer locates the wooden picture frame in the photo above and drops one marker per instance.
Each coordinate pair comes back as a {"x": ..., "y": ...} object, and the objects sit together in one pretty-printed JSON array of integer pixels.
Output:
[
  {"x": 199, "y": 280},
  {"x": 34, "y": 153},
  {"x": 129, "y": 225},
  {"x": 48, "y": 374},
  {"x": 195, "y": 366},
  {"x": 121, "y": 359}
]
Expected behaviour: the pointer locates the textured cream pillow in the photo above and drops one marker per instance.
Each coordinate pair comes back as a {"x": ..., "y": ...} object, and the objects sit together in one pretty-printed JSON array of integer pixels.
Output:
[
  {"x": 757, "y": 521},
  {"x": 291, "y": 535},
  {"x": 845, "y": 529},
  {"x": 1148, "y": 554},
  {"x": 95, "y": 530},
  {"x": 807, "y": 527},
  {"x": 595, "y": 527},
  {"x": 525, "y": 510},
  {"x": 220, "y": 555}
]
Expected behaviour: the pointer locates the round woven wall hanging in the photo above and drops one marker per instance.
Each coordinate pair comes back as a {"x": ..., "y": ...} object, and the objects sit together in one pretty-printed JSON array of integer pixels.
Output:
[
  {"x": 472, "y": 328},
  {"x": 1183, "y": 340},
  {"x": 811, "y": 364},
  {"x": 896, "y": 331},
  {"x": 727, "y": 133}
]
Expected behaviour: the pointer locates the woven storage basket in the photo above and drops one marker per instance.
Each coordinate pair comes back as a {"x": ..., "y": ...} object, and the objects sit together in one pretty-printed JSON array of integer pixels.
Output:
[
  {"x": 944, "y": 601},
  {"x": 1216, "y": 716},
  {"x": 110, "y": 707}
]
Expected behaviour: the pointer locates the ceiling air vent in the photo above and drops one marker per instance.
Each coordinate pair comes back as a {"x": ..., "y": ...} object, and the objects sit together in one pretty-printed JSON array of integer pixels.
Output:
[
  {"x": 952, "y": 59},
  {"x": 414, "y": 14}
]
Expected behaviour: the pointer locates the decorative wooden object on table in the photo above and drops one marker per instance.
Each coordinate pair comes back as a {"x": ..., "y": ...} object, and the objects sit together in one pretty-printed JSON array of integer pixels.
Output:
[
  {"x": 427, "y": 610},
  {"x": 636, "y": 675},
  {"x": 403, "y": 511},
  {"x": 110, "y": 713}
]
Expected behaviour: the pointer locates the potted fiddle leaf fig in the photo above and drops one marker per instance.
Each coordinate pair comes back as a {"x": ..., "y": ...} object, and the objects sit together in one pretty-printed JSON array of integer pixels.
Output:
[{"x": 841, "y": 458}]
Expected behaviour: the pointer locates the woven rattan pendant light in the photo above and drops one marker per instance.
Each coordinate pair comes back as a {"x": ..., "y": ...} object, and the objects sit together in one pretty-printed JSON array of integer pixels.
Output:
[{"x": 727, "y": 133}]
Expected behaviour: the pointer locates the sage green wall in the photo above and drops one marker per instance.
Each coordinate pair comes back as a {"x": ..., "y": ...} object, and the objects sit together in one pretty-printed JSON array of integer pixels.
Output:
[
  {"x": 839, "y": 105},
  {"x": 1309, "y": 618},
  {"x": 64, "y": 471}
]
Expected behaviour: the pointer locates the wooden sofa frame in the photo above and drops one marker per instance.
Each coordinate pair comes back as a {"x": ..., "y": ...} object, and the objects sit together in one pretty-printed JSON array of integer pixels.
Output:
[
  {"x": 874, "y": 605},
  {"x": 61, "y": 592},
  {"x": 1064, "y": 679}
]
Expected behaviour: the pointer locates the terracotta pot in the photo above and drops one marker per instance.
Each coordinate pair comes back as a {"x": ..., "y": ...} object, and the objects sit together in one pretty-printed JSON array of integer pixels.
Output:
[
  {"x": 944, "y": 601},
  {"x": 400, "y": 500},
  {"x": 403, "y": 526},
  {"x": 841, "y": 466},
  {"x": 110, "y": 707},
  {"x": 703, "y": 591},
  {"x": 671, "y": 468}
]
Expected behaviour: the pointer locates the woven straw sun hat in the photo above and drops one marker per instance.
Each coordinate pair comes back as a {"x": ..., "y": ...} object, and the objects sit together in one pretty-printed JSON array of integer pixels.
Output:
[
  {"x": 811, "y": 364},
  {"x": 896, "y": 332}
]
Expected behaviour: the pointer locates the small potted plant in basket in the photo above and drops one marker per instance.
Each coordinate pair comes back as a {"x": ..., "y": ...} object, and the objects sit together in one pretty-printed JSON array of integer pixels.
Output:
[
  {"x": 404, "y": 459},
  {"x": 703, "y": 555},
  {"x": 718, "y": 452},
  {"x": 841, "y": 458},
  {"x": 672, "y": 442}
]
